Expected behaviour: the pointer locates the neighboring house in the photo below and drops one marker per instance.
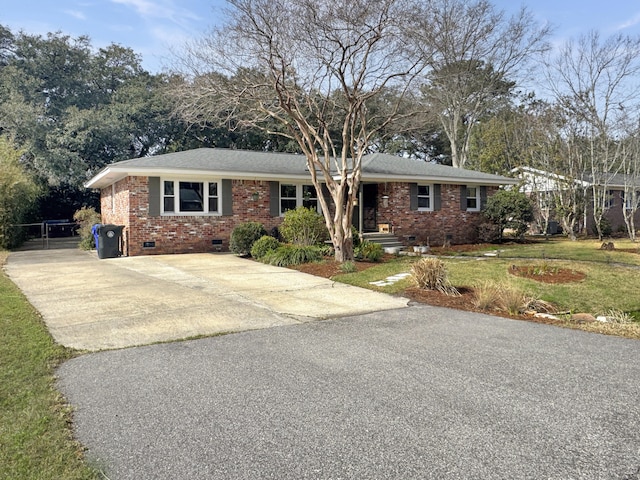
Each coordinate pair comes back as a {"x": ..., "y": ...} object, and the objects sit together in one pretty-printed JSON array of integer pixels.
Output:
[
  {"x": 544, "y": 184},
  {"x": 191, "y": 201}
]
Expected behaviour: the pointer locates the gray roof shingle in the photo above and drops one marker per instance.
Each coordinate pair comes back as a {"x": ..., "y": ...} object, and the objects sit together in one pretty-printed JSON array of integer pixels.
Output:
[{"x": 269, "y": 165}]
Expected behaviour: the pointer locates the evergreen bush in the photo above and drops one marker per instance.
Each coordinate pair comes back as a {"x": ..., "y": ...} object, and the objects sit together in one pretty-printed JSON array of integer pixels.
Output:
[
  {"x": 87, "y": 217},
  {"x": 509, "y": 209},
  {"x": 244, "y": 236},
  {"x": 263, "y": 246},
  {"x": 369, "y": 251},
  {"x": 303, "y": 226}
]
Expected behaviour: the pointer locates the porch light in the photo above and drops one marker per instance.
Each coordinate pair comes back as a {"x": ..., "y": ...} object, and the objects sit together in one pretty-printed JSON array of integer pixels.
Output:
[
  {"x": 385, "y": 200},
  {"x": 255, "y": 196}
]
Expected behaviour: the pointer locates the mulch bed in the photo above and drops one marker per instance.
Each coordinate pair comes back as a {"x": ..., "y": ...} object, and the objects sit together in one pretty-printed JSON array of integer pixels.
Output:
[
  {"x": 551, "y": 275},
  {"x": 330, "y": 268}
]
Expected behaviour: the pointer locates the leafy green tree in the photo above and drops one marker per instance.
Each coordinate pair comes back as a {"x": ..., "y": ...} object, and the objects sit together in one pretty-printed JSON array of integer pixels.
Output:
[
  {"x": 509, "y": 209},
  {"x": 18, "y": 194}
]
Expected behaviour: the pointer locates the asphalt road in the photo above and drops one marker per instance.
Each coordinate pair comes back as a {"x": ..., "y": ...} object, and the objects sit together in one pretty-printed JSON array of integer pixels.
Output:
[{"x": 416, "y": 393}]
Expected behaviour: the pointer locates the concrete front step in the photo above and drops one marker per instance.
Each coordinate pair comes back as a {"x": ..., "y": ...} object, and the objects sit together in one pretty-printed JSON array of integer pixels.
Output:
[{"x": 387, "y": 240}]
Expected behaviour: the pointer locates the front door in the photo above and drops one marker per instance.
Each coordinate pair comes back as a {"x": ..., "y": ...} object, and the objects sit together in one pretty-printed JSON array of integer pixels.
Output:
[{"x": 370, "y": 207}]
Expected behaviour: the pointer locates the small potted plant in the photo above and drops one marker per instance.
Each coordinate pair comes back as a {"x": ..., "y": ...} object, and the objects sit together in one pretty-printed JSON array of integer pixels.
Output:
[{"x": 422, "y": 246}]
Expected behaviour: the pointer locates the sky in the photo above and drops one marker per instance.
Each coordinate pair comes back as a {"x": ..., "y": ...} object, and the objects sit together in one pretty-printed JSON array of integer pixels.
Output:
[{"x": 153, "y": 27}]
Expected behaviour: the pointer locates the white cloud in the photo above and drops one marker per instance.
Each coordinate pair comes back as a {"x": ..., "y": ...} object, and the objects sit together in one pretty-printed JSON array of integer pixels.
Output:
[
  {"x": 163, "y": 9},
  {"x": 632, "y": 22},
  {"x": 76, "y": 14}
]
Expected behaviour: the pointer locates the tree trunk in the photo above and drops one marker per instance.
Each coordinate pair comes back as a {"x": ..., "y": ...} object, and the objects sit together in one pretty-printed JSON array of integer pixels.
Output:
[{"x": 343, "y": 245}]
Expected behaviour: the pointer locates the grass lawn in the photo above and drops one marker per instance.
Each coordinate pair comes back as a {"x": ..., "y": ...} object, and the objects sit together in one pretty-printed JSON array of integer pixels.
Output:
[
  {"x": 560, "y": 248},
  {"x": 611, "y": 281},
  {"x": 35, "y": 430}
]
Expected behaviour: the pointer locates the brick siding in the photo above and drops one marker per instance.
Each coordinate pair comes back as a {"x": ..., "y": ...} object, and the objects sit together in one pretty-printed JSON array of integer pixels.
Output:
[
  {"x": 432, "y": 226},
  {"x": 181, "y": 233},
  {"x": 127, "y": 204}
]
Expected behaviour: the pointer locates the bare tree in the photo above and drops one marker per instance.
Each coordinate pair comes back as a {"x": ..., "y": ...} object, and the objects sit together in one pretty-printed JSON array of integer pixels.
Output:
[
  {"x": 473, "y": 51},
  {"x": 630, "y": 169},
  {"x": 595, "y": 81},
  {"x": 556, "y": 167},
  {"x": 537, "y": 138},
  {"x": 298, "y": 68}
]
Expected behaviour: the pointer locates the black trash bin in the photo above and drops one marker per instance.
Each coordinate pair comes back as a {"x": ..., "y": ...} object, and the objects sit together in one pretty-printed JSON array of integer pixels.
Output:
[{"x": 109, "y": 241}]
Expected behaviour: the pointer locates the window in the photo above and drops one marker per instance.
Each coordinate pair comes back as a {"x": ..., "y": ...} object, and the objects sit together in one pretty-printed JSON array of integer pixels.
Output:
[
  {"x": 169, "y": 197},
  {"x": 189, "y": 197},
  {"x": 425, "y": 201},
  {"x": 629, "y": 199},
  {"x": 309, "y": 197},
  {"x": 473, "y": 199},
  {"x": 213, "y": 197},
  {"x": 293, "y": 196},
  {"x": 287, "y": 197},
  {"x": 610, "y": 199}
]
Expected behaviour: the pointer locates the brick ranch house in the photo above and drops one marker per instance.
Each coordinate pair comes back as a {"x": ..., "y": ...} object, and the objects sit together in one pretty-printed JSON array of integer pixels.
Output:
[{"x": 191, "y": 201}]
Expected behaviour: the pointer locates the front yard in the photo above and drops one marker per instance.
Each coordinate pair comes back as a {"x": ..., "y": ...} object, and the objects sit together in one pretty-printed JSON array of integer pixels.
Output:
[{"x": 590, "y": 280}]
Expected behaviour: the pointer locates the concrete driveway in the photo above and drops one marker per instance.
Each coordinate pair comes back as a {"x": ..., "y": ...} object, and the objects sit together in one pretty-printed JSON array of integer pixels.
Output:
[{"x": 93, "y": 304}]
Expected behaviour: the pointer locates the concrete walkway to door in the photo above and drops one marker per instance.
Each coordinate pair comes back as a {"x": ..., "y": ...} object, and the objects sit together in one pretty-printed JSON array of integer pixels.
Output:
[{"x": 93, "y": 304}]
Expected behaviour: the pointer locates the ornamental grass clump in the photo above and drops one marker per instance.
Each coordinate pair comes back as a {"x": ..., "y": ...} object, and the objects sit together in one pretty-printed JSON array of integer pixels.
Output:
[
  {"x": 286, "y": 255},
  {"x": 486, "y": 295},
  {"x": 513, "y": 300},
  {"x": 489, "y": 295},
  {"x": 431, "y": 274}
]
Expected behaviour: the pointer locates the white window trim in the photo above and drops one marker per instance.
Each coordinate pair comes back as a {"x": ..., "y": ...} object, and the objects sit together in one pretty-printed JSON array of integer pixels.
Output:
[
  {"x": 176, "y": 190},
  {"x": 430, "y": 196},
  {"x": 629, "y": 198},
  {"x": 610, "y": 199},
  {"x": 299, "y": 195},
  {"x": 478, "y": 206}
]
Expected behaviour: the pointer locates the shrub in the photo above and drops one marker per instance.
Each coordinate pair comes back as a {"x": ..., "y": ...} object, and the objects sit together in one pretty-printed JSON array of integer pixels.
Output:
[
  {"x": 618, "y": 316},
  {"x": 286, "y": 255},
  {"x": 369, "y": 251},
  {"x": 489, "y": 295},
  {"x": 355, "y": 237},
  {"x": 348, "y": 267},
  {"x": 18, "y": 194},
  {"x": 244, "y": 236},
  {"x": 513, "y": 300},
  {"x": 486, "y": 295},
  {"x": 303, "y": 226},
  {"x": 489, "y": 232},
  {"x": 431, "y": 274},
  {"x": 264, "y": 245},
  {"x": 87, "y": 217},
  {"x": 605, "y": 227},
  {"x": 509, "y": 209},
  {"x": 327, "y": 250}
]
